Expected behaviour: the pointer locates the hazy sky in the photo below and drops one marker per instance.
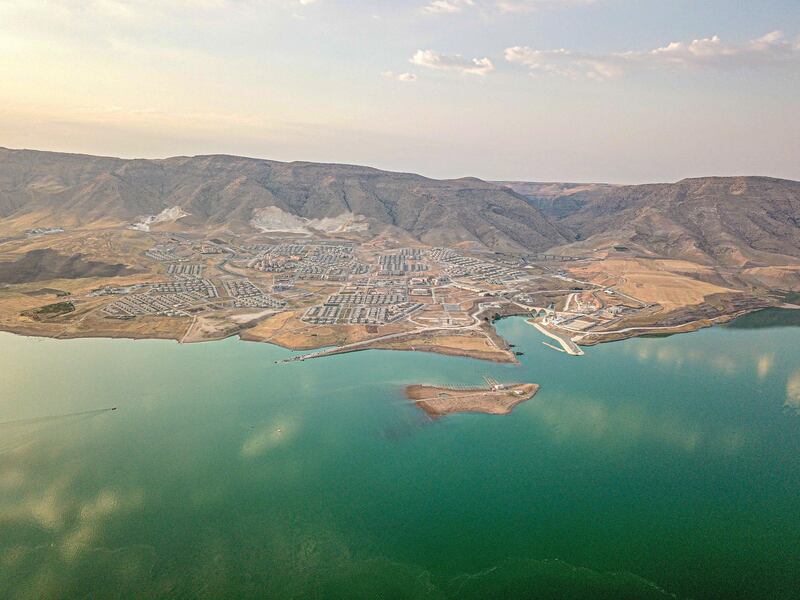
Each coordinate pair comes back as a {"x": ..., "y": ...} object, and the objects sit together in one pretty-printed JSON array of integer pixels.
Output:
[{"x": 568, "y": 90}]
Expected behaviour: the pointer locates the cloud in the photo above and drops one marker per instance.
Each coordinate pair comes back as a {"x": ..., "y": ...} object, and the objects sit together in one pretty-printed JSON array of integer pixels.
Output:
[
  {"x": 431, "y": 59},
  {"x": 512, "y": 6},
  {"x": 565, "y": 63},
  {"x": 132, "y": 11},
  {"x": 403, "y": 77},
  {"x": 503, "y": 6},
  {"x": 447, "y": 6},
  {"x": 771, "y": 49}
]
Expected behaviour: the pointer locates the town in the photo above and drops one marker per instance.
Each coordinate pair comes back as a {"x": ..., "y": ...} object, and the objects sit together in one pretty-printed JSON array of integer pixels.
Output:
[{"x": 391, "y": 290}]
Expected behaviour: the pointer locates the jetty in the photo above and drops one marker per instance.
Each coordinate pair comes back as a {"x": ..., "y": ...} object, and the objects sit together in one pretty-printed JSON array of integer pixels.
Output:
[{"x": 564, "y": 341}]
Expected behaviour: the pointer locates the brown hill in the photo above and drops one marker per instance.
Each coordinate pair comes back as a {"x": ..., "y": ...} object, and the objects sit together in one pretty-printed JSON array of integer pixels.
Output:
[
  {"x": 227, "y": 192},
  {"x": 731, "y": 221},
  {"x": 44, "y": 264}
]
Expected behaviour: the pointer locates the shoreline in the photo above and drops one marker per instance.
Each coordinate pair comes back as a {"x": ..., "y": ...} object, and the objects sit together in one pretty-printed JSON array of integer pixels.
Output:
[
  {"x": 495, "y": 399},
  {"x": 502, "y": 357},
  {"x": 567, "y": 344},
  {"x": 331, "y": 350},
  {"x": 607, "y": 337}
]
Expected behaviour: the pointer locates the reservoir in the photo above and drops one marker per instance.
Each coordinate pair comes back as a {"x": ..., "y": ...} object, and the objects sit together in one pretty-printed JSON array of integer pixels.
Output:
[{"x": 648, "y": 468}]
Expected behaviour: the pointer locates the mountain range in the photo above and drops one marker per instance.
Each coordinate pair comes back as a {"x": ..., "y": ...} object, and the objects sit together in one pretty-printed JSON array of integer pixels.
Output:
[{"x": 731, "y": 221}]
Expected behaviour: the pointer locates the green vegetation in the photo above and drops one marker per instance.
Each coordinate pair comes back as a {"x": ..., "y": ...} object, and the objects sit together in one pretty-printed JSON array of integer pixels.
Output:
[{"x": 50, "y": 310}]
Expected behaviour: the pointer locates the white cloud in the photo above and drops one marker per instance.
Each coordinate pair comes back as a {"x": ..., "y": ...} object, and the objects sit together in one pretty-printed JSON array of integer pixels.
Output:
[
  {"x": 503, "y": 6},
  {"x": 771, "y": 49},
  {"x": 404, "y": 77},
  {"x": 133, "y": 10},
  {"x": 447, "y": 6},
  {"x": 431, "y": 59},
  {"x": 566, "y": 63},
  {"x": 511, "y": 6}
]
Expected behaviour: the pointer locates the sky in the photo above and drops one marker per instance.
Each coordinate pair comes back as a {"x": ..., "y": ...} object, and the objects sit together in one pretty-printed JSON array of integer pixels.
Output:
[{"x": 622, "y": 91}]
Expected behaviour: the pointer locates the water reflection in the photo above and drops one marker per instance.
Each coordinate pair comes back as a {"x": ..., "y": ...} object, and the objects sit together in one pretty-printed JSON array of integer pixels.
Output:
[
  {"x": 622, "y": 427},
  {"x": 54, "y": 519},
  {"x": 793, "y": 391},
  {"x": 265, "y": 437},
  {"x": 731, "y": 360},
  {"x": 93, "y": 514},
  {"x": 52, "y": 497},
  {"x": 254, "y": 480},
  {"x": 764, "y": 364},
  {"x": 40, "y": 572},
  {"x": 677, "y": 357}
]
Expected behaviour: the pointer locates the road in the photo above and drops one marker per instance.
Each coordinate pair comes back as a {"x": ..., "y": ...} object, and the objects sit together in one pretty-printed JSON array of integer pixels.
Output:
[{"x": 391, "y": 336}]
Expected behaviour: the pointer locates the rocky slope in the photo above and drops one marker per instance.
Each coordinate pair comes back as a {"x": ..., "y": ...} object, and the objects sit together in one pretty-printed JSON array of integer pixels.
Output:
[
  {"x": 226, "y": 192},
  {"x": 731, "y": 221},
  {"x": 739, "y": 221}
]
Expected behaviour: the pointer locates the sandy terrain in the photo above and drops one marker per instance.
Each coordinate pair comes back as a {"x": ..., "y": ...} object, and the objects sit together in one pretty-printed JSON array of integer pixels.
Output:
[
  {"x": 652, "y": 281},
  {"x": 467, "y": 344},
  {"x": 454, "y": 317},
  {"x": 287, "y": 330},
  {"x": 441, "y": 401}
]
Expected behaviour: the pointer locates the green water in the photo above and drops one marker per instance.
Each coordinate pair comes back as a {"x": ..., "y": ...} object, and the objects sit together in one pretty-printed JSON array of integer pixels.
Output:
[
  {"x": 770, "y": 317},
  {"x": 648, "y": 468}
]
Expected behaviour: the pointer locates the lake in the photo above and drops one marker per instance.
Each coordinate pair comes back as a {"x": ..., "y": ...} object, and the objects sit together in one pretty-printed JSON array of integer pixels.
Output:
[{"x": 648, "y": 468}]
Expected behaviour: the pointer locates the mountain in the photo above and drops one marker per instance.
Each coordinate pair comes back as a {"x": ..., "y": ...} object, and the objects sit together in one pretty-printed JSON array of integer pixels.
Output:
[
  {"x": 238, "y": 194},
  {"x": 557, "y": 199},
  {"x": 730, "y": 221}
]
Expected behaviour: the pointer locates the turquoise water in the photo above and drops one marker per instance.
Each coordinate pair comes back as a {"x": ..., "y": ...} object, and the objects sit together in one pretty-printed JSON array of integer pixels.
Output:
[{"x": 648, "y": 468}]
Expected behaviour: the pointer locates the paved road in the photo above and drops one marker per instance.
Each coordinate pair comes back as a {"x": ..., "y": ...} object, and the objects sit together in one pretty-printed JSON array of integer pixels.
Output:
[{"x": 420, "y": 330}]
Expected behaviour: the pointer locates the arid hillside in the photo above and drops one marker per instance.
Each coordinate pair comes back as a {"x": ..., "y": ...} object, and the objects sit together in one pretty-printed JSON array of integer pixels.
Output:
[
  {"x": 736, "y": 222},
  {"x": 731, "y": 221},
  {"x": 45, "y": 189}
]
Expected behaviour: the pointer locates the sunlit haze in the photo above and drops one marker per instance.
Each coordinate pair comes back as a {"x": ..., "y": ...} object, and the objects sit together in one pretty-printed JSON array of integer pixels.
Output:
[{"x": 544, "y": 90}]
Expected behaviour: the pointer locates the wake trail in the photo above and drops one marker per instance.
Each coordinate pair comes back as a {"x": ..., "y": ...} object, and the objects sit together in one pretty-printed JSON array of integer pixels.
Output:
[
  {"x": 20, "y": 433},
  {"x": 49, "y": 418}
]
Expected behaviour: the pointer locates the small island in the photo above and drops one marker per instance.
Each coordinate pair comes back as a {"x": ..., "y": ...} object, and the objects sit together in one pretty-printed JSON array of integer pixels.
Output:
[{"x": 493, "y": 399}]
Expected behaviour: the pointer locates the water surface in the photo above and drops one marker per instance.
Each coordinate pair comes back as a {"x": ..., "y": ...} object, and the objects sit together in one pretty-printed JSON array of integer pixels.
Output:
[{"x": 647, "y": 468}]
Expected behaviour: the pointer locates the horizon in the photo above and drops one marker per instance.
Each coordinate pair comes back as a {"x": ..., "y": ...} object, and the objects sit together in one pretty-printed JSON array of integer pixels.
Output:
[
  {"x": 395, "y": 171},
  {"x": 413, "y": 299},
  {"x": 504, "y": 90}
]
